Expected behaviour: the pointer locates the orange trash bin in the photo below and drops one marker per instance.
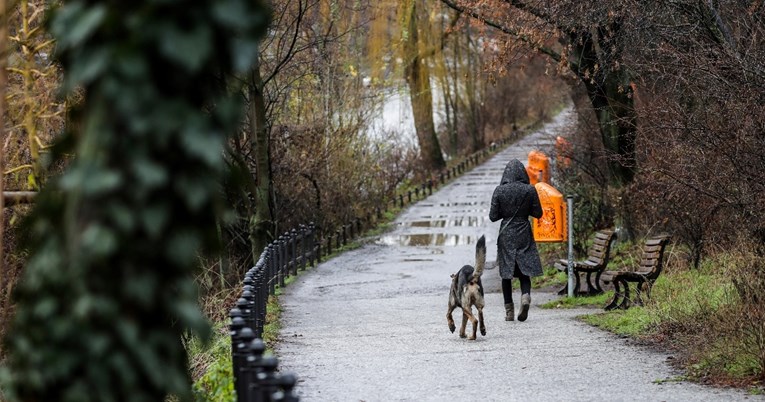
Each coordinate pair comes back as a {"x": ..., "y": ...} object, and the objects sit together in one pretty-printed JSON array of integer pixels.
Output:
[
  {"x": 538, "y": 161},
  {"x": 551, "y": 227}
]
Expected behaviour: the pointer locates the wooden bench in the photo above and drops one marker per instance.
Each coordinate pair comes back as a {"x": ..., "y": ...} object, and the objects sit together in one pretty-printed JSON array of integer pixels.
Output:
[
  {"x": 597, "y": 259},
  {"x": 651, "y": 264}
]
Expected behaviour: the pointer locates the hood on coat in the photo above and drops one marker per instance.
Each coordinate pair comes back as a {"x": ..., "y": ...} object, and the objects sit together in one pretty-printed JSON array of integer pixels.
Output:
[{"x": 515, "y": 172}]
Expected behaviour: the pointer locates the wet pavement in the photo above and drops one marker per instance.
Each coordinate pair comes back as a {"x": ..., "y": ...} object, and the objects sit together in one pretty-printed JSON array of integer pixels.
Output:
[{"x": 370, "y": 324}]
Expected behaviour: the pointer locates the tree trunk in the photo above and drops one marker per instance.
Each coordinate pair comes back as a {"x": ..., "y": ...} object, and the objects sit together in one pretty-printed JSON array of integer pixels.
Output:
[
  {"x": 3, "y": 81},
  {"x": 614, "y": 109},
  {"x": 450, "y": 128},
  {"x": 473, "y": 109},
  {"x": 610, "y": 93},
  {"x": 261, "y": 225},
  {"x": 418, "y": 79},
  {"x": 454, "y": 99}
]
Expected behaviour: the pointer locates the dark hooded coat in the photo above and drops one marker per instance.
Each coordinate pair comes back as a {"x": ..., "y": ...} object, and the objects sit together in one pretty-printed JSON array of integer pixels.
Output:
[{"x": 513, "y": 201}]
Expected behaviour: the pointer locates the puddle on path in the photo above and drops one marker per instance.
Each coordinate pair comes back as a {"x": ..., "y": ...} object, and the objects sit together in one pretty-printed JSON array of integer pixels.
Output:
[
  {"x": 469, "y": 221},
  {"x": 463, "y": 204},
  {"x": 427, "y": 240},
  {"x": 480, "y": 211}
]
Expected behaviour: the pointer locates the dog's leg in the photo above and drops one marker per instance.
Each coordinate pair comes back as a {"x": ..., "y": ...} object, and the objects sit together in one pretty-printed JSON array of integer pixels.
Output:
[
  {"x": 468, "y": 315},
  {"x": 464, "y": 323},
  {"x": 479, "y": 305},
  {"x": 449, "y": 318},
  {"x": 480, "y": 320}
]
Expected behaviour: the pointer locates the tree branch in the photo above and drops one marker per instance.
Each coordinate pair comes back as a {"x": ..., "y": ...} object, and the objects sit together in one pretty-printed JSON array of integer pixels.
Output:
[
  {"x": 533, "y": 11},
  {"x": 290, "y": 53},
  {"x": 432, "y": 50},
  {"x": 512, "y": 32}
]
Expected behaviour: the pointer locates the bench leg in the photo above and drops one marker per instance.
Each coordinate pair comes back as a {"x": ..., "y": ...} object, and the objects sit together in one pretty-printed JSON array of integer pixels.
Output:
[
  {"x": 577, "y": 283},
  {"x": 625, "y": 304},
  {"x": 591, "y": 289},
  {"x": 564, "y": 290},
  {"x": 617, "y": 295},
  {"x": 597, "y": 282}
]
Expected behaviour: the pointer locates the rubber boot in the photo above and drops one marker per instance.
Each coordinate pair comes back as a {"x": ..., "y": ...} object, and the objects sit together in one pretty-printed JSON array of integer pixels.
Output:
[
  {"x": 509, "y": 312},
  {"x": 525, "y": 304}
]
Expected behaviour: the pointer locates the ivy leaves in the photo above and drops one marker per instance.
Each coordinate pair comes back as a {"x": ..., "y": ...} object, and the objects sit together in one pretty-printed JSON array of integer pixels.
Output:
[{"x": 108, "y": 289}]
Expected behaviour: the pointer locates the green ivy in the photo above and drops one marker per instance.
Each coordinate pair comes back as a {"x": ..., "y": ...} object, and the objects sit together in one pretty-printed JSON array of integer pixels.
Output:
[
  {"x": 108, "y": 292},
  {"x": 217, "y": 382}
]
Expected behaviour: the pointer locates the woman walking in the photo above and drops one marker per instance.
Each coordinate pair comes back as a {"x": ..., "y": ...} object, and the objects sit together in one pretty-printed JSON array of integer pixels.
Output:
[{"x": 513, "y": 201}]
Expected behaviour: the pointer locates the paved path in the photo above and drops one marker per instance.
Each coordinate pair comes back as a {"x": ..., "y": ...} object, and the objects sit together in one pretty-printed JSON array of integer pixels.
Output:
[{"x": 370, "y": 325}]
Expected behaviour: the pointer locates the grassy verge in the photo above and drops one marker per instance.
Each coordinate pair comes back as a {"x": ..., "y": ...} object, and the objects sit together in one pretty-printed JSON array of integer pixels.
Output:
[
  {"x": 212, "y": 361},
  {"x": 712, "y": 319},
  {"x": 597, "y": 301},
  {"x": 635, "y": 322}
]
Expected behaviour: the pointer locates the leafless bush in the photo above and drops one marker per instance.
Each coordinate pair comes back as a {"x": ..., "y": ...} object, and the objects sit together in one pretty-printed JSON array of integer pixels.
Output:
[
  {"x": 580, "y": 170},
  {"x": 526, "y": 94},
  {"x": 333, "y": 179},
  {"x": 749, "y": 281},
  {"x": 701, "y": 150},
  {"x": 714, "y": 315}
]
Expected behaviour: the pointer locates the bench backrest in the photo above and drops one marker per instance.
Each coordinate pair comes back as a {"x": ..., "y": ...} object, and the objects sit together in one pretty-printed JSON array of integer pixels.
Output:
[
  {"x": 600, "y": 251},
  {"x": 652, "y": 261}
]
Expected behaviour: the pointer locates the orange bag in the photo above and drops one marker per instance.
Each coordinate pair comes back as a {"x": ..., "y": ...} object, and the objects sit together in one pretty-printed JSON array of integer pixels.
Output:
[{"x": 551, "y": 227}]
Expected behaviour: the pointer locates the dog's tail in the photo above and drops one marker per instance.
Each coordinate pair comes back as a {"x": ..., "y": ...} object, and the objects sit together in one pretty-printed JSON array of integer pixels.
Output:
[{"x": 480, "y": 257}]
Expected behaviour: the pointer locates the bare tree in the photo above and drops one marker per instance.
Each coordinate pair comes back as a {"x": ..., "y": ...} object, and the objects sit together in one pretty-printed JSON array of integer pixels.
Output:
[{"x": 591, "y": 44}]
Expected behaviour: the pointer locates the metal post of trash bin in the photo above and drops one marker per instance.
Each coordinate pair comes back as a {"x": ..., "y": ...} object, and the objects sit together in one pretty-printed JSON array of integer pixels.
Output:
[{"x": 570, "y": 220}]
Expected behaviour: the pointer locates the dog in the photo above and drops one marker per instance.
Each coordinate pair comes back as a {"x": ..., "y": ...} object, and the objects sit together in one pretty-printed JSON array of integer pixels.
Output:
[{"x": 467, "y": 291}]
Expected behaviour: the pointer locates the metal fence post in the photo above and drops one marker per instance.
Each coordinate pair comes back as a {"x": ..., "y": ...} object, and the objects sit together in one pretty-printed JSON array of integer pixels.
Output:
[
  {"x": 315, "y": 245},
  {"x": 249, "y": 296},
  {"x": 570, "y": 202},
  {"x": 303, "y": 247},
  {"x": 270, "y": 273},
  {"x": 237, "y": 323},
  {"x": 261, "y": 302},
  {"x": 243, "y": 305},
  {"x": 311, "y": 243},
  {"x": 293, "y": 250},
  {"x": 245, "y": 337},
  {"x": 266, "y": 367},
  {"x": 252, "y": 361},
  {"x": 282, "y": 251}
]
